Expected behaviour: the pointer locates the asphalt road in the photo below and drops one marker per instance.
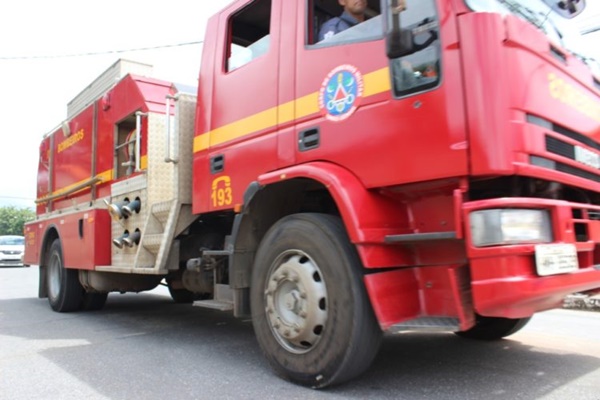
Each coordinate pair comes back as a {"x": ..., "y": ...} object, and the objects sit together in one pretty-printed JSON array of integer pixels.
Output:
[{"x": 143, "y": 346}]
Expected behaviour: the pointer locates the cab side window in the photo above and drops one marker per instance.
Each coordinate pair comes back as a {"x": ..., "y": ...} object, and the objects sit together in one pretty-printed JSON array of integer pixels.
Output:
[
  {"x": 249, "y": 36},
  {"x": 327, "y": 26}
]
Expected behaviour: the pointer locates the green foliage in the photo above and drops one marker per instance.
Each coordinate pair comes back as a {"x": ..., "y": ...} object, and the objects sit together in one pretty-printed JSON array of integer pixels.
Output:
[{"x": 12, "y": 220}]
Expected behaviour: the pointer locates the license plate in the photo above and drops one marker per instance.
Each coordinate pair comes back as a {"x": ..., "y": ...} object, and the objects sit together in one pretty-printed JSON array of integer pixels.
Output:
[
  {"x": 553, "y": 259},
  {"x": 587, "y": 157}
]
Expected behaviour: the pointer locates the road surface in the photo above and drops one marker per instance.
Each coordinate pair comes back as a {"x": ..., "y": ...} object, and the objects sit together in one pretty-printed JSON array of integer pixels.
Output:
[{"x": 143, "y": 346}]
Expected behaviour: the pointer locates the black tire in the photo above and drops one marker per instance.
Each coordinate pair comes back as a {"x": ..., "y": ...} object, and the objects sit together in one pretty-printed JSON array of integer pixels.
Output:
[
  {"x": 93, "y": 301},
  {"x": 493, "y": 328},
  {"x": 307, "y": 277},
  {"x": 182, "y": 296},
  {"x": 65, "y": 293}
]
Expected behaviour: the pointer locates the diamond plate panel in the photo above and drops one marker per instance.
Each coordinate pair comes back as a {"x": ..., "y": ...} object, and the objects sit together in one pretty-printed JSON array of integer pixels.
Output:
[
  {"x": 125, "y": 257},
  {"x": 162, "y": 188},
  {"x": 161, "y": 175},
  {"x": 128, "y": 185},
  {"x": 185, "y": 114},
  {"x": 427, "y": 324}
]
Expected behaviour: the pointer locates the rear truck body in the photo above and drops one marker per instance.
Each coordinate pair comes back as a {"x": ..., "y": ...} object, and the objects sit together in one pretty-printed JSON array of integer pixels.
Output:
[{"x": 435, "y": 167}]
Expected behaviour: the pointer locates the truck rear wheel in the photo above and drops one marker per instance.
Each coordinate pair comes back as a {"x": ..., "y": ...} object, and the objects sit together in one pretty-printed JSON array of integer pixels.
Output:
[
  {"x": 65, "y": 293},
  {"x": 494, "y": 328},
  {"x": 310, "y": 310},
  {"x": 182, "y": 296},
  {"x": 93, "y": 301}
]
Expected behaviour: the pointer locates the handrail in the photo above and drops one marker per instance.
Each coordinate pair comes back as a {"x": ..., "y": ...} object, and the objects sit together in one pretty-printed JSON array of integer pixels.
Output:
[
  {"x": 138, "y": 138},
  {"x": 168, "y": 158},
  {"x": 124, "y": 144},
  {"x": 83, "y": 185}
]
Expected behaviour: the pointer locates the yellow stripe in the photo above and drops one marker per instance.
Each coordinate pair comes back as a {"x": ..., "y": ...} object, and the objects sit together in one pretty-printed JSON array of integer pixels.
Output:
[
  {"x": 103, "y": 176},
  {"x": 307, "y": 105},
  {"x": 285, "y": 112},
  {"x": 253, "y": 123},
  {"x": 375, "y": 82}
]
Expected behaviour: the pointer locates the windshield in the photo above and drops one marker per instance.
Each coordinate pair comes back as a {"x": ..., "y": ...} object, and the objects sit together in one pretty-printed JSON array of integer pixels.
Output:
[
  {"x": 12, "y": 240},
  {"x": 562, "y": 31}
]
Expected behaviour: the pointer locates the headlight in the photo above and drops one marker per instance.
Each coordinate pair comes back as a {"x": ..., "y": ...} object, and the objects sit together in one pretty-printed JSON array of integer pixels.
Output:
[{"x": 510, "y": 226}]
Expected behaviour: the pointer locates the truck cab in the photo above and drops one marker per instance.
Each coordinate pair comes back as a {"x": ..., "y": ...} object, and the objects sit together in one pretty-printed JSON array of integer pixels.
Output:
[{"x": 432, "y": 133}]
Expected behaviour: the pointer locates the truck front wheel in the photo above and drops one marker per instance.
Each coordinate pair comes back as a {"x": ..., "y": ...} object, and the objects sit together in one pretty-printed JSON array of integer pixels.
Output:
[
  {"x": 65, "y": 293},
  {"x": 310, "y": 310},
  {"x": 493, "y": 328}
]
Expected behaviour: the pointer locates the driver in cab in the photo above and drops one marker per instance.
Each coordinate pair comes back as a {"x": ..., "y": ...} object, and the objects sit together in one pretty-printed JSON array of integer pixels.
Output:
[{"x": 354, "y": 14}]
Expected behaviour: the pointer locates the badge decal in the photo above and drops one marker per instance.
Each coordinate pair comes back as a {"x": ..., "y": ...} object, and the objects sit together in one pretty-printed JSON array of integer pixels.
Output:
[{"x": 341, "y": 92}]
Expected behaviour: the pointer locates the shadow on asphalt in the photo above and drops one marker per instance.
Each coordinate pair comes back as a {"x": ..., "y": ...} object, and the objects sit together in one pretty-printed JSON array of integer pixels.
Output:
[{"x": 145, "y": 343}]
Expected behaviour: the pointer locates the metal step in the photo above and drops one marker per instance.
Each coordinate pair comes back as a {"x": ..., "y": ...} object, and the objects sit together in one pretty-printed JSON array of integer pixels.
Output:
[
  {"x": 162, "y": 210},
  {"x": 420, "y": 237},
  {"x": 428, "y": 324},
  {"x": 153, "y": 242},
  {"x": 223, "y": 300},
  {"x": 214, "y": 304},
  {"x": 217, "y": 253}
]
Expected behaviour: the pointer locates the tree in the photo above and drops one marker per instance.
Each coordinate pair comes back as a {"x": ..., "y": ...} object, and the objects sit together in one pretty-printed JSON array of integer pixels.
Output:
[{"x": 12, "y": 220}]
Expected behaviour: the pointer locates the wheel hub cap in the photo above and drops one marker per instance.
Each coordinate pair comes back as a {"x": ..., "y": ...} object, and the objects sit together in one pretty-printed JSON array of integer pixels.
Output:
[
  {"x": 296, "y": 301},
  {"x": 54, "y": 273}
]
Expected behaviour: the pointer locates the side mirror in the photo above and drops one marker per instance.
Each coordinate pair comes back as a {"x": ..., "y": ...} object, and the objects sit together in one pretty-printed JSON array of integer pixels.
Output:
[
  {"x": 399, "y": 43},
  {"x": 566, "y": 8}
]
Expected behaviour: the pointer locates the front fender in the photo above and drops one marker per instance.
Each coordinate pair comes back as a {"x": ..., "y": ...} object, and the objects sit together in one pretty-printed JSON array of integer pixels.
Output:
[{"x": 367, "y": 215}]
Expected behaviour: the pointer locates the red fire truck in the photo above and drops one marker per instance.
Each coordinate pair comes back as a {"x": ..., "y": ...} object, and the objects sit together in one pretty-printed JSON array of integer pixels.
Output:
[{"x": 436, "y": 166}]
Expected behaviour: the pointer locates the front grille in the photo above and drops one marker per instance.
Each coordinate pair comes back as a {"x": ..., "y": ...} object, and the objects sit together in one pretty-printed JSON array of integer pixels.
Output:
[
  {"x": 571, "y": 134},
  {"x": 564, "y": 149},
  {"x": 11, "y": 252},
  {"x": 10, "y": 262},
  {"x": 555, "y": 146},
  {"x": 567, "y": 169},
  {"x": 585, "y": 223},
  {"x": 577, "y": 172}
]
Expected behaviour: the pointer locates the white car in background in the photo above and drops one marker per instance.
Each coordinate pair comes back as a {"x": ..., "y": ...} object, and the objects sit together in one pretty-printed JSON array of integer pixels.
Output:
[{"x": 11, "y": 250}]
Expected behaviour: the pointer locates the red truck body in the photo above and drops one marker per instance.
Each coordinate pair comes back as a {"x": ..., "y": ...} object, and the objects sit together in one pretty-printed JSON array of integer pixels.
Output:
[{"x": 498, "y": 117}]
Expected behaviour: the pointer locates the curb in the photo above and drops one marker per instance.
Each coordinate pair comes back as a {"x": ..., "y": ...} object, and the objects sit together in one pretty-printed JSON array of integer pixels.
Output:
[{"x": 582, "y": 302}]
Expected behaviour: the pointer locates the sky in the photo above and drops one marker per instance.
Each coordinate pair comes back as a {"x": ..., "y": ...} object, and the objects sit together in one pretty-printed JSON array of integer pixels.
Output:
[{"x": 35, "y": 90}]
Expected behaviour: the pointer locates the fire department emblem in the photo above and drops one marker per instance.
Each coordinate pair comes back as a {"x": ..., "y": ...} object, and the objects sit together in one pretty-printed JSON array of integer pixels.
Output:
[{"x": 341, "y": 92}]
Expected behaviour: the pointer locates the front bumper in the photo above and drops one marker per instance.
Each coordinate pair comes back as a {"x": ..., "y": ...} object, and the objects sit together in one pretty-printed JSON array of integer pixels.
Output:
[
  {"x": 517, "y": 295},
  {"x": 10, "y": 263},
  {"x": 504, "y": 281}
]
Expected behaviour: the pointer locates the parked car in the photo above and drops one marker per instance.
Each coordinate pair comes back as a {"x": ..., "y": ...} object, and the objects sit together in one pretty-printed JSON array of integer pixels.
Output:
[{"x": 11, "y": 250}]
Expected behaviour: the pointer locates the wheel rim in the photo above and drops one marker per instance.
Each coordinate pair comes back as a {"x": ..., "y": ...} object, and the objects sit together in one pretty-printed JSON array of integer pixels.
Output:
[
  {"x": 54, "y": 275},
  {"x": 296, "y": 301}
]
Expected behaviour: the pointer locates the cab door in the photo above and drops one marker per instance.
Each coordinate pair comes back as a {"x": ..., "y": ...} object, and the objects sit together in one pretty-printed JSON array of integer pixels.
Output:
[
  {"x": 239, "y": 118},
  {"x": 388, "y": 121}
]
